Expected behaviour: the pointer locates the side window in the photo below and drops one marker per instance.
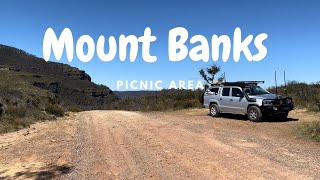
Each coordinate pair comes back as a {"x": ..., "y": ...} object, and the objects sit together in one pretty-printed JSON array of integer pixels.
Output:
[
  {"x": 236, "y": 91},
  {"x": 247, "y": 90},
  {"x": 225, "y": 91},
  {"x": 214, "y": 90}
]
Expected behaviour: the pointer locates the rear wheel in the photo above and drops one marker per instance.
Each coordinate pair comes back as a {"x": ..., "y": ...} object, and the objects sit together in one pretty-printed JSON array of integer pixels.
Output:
[
  {"x": 214, "y": 110},
  {"x": 254, "y": 114}
]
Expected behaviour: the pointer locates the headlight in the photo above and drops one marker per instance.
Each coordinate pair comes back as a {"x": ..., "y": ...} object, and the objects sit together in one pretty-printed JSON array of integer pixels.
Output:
[{"x": 268, "y": 102}]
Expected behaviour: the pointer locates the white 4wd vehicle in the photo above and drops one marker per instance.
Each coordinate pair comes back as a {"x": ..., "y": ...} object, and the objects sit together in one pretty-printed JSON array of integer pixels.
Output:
[{"x": 245, "y": 97}]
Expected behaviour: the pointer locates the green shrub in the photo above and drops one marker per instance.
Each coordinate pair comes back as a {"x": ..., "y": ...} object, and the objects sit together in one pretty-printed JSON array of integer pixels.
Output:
[
  {"x": 309, "y": 130},
  {"x": 55, "y": 109},
  {"x": 165, "y": 100}
]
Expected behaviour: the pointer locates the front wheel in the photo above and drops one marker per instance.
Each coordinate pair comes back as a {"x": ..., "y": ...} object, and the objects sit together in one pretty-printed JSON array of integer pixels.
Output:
[
  {"x": 214, "y": 110},
  {"x": 254, "y": 114}
]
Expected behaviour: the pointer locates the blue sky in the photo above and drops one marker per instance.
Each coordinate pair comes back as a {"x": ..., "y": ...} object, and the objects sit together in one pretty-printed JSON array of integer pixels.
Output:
[{"x": 293, "y": 28}]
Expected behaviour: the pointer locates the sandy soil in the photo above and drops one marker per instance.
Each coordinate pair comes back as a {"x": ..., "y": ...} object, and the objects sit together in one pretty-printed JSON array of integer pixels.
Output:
[{"x": 186, "y": 144}]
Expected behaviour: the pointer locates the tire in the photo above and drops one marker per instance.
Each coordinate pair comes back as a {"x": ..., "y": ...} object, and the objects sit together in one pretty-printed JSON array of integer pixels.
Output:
[
  {"x": 254, "y": 114},
  {"x": 214, "y": 110}
]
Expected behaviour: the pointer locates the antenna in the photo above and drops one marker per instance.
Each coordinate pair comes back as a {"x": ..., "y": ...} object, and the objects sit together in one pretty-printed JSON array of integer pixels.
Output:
[
  {"x": 275, "y": 79},
  {"x": 285, "y": 82}
]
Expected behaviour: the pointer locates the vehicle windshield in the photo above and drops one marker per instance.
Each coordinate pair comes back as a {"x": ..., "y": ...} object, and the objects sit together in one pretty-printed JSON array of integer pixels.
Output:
[{"x": 255, "y": 90}]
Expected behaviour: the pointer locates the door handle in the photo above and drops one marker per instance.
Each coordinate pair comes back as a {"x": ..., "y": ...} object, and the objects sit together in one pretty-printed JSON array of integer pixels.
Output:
[
  {"x": 220, "y": 99},
  {"x": 231, "y": 99}
]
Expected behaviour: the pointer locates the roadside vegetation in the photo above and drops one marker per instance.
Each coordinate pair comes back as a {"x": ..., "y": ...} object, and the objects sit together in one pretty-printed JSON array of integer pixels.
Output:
[
  {"x": 165, "y": 100},
  {"x": 23, "y": 105},
  {"x": 309, "y": 130}
]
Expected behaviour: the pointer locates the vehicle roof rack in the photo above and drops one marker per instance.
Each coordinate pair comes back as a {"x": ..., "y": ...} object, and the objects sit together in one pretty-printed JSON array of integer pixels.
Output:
[{"x": 237, "y": 83}]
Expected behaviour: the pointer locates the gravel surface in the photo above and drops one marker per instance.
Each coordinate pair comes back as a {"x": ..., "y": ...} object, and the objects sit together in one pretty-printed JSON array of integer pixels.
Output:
[{"x": 185, "y": 144}]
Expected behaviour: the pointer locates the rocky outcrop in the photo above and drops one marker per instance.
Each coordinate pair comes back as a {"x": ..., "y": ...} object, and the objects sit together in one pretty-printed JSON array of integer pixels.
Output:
[
  {"x": 17, "y": 60},
  {"x": 71, "y": 85}
]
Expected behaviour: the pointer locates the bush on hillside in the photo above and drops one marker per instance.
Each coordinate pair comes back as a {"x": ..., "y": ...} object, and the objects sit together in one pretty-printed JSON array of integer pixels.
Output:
[{"x": 55, "y": 109}]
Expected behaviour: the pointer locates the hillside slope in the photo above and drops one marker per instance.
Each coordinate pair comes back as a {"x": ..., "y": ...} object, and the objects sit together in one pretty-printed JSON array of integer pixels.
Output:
[{"x": 31, "y": 87}]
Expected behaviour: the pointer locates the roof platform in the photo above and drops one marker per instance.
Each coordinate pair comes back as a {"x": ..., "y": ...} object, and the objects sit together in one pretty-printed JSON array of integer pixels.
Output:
[{"x": 237, "y": 83}]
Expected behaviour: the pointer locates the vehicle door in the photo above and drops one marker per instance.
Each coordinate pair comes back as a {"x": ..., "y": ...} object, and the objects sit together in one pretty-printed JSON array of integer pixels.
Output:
[
  {"x": 237, "y": 101},
  {"x": 224, "y": 99}
]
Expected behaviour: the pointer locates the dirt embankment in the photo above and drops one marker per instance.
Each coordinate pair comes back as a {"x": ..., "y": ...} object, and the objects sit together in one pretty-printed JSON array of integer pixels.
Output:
[{"x": 184, "y": 144}]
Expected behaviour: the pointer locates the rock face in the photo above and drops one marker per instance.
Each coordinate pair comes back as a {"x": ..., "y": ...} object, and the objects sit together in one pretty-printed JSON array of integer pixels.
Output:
[
  {"x": 18, "y": 60},
  {"x": 72, "y": 86}
]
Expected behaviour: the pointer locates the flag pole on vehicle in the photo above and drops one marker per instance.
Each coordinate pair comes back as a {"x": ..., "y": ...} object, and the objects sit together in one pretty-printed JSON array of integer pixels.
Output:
[
  {"x": 275, "y": 79},
  {"x": 285, "y": 82}
]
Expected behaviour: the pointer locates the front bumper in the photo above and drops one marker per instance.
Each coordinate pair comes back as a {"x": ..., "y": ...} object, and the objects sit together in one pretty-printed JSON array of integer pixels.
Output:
[{"x": 276, "y": 109}]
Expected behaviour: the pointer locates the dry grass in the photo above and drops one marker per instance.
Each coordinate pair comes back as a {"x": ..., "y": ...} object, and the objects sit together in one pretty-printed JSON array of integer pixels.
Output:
[{"x": 310, "y": 130}]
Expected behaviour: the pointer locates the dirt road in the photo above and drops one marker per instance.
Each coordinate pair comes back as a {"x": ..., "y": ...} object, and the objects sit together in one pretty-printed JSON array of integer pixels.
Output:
[{"x": 184, "y": 144}]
